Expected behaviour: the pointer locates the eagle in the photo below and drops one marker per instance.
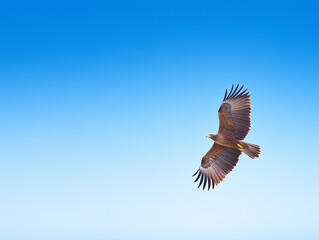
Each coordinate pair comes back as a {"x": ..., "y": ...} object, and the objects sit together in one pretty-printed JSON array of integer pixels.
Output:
[{"x": 234, "y": 125}]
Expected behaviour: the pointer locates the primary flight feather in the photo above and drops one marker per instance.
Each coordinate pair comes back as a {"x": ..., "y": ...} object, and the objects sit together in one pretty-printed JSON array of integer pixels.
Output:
[{"x": 234, "y": 125}]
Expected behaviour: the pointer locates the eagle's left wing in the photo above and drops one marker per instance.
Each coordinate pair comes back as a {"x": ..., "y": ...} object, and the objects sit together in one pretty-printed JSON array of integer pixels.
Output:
[
  {"x": 234, "y": 113},
  {"x": 216, "y": 164}
]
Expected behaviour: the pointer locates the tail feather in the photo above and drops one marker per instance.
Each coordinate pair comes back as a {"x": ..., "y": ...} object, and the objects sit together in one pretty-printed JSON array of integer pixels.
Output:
[{"x": 251, "y": 150}]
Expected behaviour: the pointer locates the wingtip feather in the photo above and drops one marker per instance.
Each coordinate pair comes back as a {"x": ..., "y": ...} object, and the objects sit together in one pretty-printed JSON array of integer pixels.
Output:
[
  {"x": 205, "y": 181},
  {"x": 231, "y": 91},
  {"x": 235, "y": 92},
  {"x": 195, "y": 173},
  {"x": 201, "y": 180},
  {"x": 225, "y": 94},
  {"x": 199, "y": 174}
]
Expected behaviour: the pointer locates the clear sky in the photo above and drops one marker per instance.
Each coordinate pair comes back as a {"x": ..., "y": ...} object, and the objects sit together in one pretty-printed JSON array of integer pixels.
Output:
[{"x": 105, "y": 106}]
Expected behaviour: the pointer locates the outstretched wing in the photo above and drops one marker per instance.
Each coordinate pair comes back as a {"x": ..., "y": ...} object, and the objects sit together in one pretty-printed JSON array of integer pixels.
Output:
[
  {"x": 234, "y": 113},
  {"x": 216, "y": 164}
]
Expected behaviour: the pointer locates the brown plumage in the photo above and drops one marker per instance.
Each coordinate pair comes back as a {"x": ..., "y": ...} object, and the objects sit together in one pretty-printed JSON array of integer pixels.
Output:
[{"x": 234, "y": 125}]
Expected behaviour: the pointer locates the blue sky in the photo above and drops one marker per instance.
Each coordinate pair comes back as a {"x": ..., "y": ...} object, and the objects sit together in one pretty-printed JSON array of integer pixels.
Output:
[{"x": 105, "y": 106}]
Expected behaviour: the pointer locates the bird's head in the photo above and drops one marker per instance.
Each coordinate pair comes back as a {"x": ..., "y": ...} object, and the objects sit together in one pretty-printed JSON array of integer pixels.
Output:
[{"x": 211, "y": 136}]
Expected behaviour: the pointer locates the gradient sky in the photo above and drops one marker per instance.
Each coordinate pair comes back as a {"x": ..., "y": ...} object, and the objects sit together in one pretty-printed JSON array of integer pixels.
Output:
[{"x": 105, "y": 106}]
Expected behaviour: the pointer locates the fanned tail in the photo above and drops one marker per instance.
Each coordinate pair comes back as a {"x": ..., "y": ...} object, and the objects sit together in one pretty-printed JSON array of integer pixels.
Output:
[{"x": 251, "y": 150}]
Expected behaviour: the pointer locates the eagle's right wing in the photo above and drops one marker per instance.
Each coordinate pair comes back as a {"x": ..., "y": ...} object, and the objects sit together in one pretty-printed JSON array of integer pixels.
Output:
[{"x": 216, "y": 164}]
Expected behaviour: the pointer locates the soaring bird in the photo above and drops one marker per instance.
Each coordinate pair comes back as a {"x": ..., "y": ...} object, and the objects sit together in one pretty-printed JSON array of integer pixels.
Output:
[{"x": 234, "y": 125}]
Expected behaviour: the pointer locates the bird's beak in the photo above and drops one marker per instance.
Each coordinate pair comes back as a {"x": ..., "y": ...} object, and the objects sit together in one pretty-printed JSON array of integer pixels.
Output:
[{"x": 208, "y": 135}]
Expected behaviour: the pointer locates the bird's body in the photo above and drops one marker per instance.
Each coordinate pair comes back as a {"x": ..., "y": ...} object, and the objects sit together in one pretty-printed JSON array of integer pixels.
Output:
[
  {"x": 225, "y": 138},
  {"x": 234, "y": 124}
]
